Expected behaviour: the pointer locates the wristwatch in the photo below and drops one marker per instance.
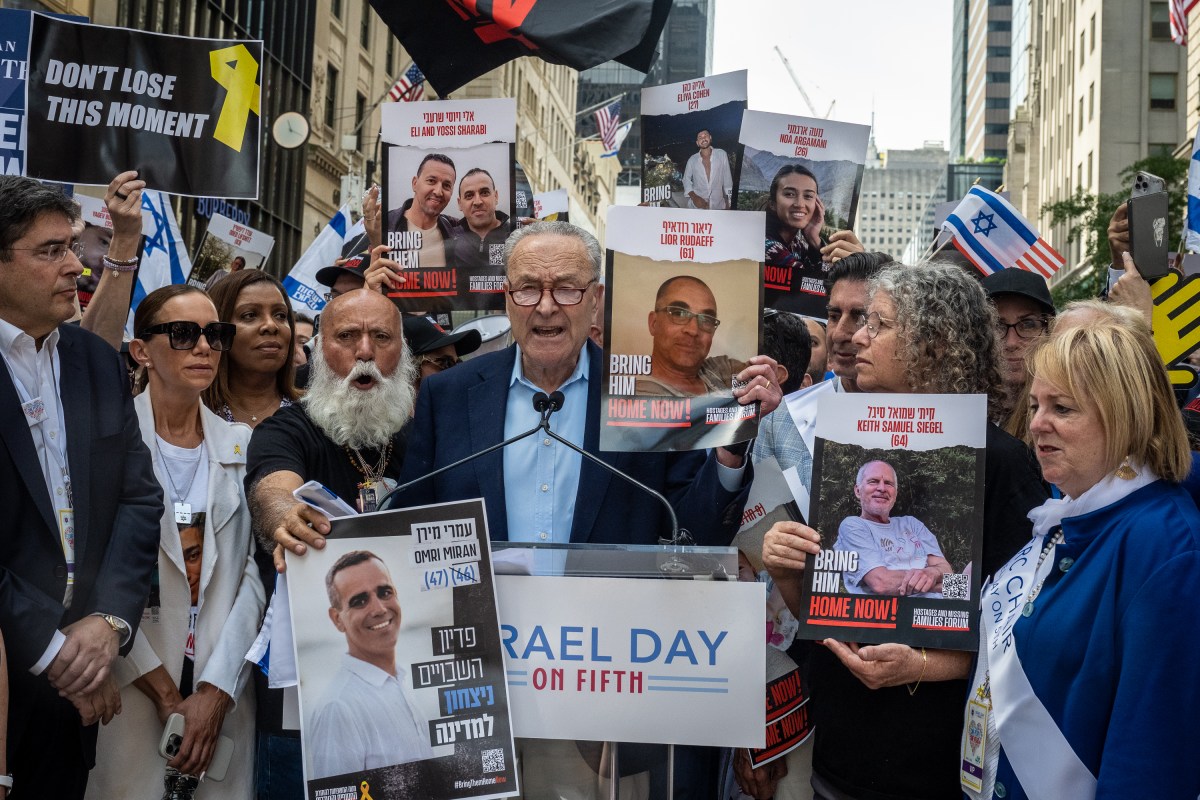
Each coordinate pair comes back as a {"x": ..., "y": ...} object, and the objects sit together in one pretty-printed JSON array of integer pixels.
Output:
[{"x": 117, "y": 624}]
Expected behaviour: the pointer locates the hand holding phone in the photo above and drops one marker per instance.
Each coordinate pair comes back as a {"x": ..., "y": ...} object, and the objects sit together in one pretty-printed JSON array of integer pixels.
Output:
[{"x": 172, "y": 741}]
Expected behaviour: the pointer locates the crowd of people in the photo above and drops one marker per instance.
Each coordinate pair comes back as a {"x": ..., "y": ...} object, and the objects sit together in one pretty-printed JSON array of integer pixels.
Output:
[{"x": 151, "y": 503}]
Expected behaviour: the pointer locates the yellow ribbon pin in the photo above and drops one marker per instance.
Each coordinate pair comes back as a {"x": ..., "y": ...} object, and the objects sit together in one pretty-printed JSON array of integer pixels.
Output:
[{"x": 365, "y": 788}]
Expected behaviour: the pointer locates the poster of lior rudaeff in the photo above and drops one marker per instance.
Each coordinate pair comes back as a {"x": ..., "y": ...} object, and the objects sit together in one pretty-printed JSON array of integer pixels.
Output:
[{"x": 401, "y": 678}]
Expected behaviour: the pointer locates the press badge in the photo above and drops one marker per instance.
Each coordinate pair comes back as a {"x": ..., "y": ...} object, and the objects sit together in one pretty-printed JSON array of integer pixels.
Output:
[
  {"x": 974, "y": 742},
  {"x": 66, "y": 529}
]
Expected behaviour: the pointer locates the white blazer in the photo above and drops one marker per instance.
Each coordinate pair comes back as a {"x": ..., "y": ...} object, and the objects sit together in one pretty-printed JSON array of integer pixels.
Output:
[{"x": 230, "y": 608}]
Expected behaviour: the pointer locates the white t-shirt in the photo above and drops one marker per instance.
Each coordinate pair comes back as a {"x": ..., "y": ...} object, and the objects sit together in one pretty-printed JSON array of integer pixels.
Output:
[{"x": 903, "y": 543}]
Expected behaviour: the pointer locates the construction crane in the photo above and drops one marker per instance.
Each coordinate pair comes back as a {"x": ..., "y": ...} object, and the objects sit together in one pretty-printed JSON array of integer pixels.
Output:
[{"x": 788, "y": 66}]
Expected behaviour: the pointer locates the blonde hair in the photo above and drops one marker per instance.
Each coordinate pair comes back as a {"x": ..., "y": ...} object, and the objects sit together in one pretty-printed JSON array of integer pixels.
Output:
[
  {"x": 1116, "y": 368},
  {"x": 1082, "y": 312}
]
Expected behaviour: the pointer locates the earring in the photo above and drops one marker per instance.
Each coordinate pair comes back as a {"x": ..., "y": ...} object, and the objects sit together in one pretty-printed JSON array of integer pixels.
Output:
[{"x": 1126, "y": 472}]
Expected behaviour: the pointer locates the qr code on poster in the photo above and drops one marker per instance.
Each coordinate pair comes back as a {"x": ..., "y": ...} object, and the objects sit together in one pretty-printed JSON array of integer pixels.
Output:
[
  {"x": 493, "y": 760},
  {"x": 956, "y": 587}
]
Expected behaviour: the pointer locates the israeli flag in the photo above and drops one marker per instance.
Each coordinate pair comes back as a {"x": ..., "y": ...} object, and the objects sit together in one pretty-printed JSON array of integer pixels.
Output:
[
  {"x": 165, "y": 260},
  {"x": 1193, "y": 202},
  {"x": 306, "y": 293}
]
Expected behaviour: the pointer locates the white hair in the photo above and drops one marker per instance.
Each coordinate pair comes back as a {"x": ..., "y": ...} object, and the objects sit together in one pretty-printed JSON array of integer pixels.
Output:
[{"x": 352, "y": 416}]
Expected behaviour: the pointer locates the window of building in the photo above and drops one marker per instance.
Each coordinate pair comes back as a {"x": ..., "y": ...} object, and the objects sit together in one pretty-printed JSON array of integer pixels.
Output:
[
  {"x": 1160, "y": 21},
  {"x": 360, "y": 111},
  {"x": 997, "y": 77},
  {"x": 1081, "y": 114},
  {"x": 1082, "y": 44},
  {"x": 996, "y": 129},
  {"x": 1089, "y": 183},
  {"x": 999, "y": 25},
  {"x": 391, "y": 57},
  {"x": 1091, "y": 102},
  {"x": 364, "y": 28},
  {"x": 335, "y": 7},
  {"x": 999, "y": 52},
  {"x": 1162, "y": 90},
  {"x": 331, "y": 91},
  {"x": 1164, "y": 149},
  {"x": 1079, "y": 173},
  {"x": 1092, "y": 34}
]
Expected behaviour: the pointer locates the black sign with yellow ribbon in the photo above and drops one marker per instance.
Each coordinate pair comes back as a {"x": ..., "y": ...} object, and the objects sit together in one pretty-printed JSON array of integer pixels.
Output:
[{"x": 183, "y": 112}]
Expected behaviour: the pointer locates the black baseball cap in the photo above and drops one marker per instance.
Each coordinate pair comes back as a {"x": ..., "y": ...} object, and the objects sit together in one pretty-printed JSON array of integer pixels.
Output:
[
  {"x": 1022, "y": 283},
  {"x": 424, "y": 335},
  {"x": 357, "y": 255}
]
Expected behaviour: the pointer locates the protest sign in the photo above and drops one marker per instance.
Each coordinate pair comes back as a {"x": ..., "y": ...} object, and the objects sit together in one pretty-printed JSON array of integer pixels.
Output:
[
  {"x": 228, "y": 246},
  {"x": 182, "y": 111},
  {"x": 95, "y": 238},
  {"x": 657, "y": 661},
  {"x": 806, "y": 174},
  {"x": 551, "y": 206},
  {"x": 683, "y": 311},
  {"x": 448, "y": 194},
  {"x": 14, "y": 41},
  {"x": 898, "y": 499},
  {"x": 691, "y": 156},
  {"x": 401, "y": 676}
]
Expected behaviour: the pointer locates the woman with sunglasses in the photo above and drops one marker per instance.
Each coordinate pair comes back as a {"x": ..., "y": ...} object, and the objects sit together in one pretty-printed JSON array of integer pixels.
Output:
[
  {"x": 257, "y": 377},
  {"x": 206, "y": 598},
  {"x": 927, "y": 330}
]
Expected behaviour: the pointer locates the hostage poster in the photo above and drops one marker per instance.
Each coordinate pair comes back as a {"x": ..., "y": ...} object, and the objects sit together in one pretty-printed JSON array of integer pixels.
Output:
[
  {"x": 228, "y": 246},
  {"x": 183, "y": 112},
  {"x": 691, "y": 156},
  {"x": 448, "y": 192},
  {"x": 683, "y": 311},
  {"x": 401, "y": 677},
  {"x": 806, "y": 175},
  {"x": 898, "y": 499}
]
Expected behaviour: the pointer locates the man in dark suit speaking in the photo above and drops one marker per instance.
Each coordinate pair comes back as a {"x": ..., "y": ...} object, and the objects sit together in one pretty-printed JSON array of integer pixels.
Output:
[{"x": 79, "y": 497}]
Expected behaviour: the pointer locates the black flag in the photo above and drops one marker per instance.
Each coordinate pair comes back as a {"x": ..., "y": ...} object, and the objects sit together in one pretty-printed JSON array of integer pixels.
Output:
[{"x": 455, "y": 41}]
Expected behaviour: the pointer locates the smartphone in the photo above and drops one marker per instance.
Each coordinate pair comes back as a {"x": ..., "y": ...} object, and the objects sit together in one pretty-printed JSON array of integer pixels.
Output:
[
  {"x": 172, "y": 740},
  {"x": 1144, "y": 183},
  {"x": 1148, "y": 243}
]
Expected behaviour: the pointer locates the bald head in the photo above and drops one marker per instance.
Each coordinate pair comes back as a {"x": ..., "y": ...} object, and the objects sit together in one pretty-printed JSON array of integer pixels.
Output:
[{"x": 361, "y": 325}]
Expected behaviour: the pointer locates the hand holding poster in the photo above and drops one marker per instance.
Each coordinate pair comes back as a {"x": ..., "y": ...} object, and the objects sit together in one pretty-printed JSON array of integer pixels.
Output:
[
  {"x": 402, "y": 682},
  {"x": 683, "y": 313},
  {"x": 806, "y": 174},
  {"x": 227, "y": 247},
  {"x": 183, "y": 112},
  {"x": 898, "y": 500},
  {"x": 439, "y": 161},
  {"x": 691, "y": 157}
]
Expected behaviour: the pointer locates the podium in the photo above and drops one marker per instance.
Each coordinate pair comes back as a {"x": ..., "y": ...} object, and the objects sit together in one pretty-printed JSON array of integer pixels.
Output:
[{"x": 645, "y": 646}]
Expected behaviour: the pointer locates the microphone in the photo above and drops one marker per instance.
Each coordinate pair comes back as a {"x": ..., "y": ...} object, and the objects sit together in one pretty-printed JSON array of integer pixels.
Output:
[{"x": 556, "y": 400}]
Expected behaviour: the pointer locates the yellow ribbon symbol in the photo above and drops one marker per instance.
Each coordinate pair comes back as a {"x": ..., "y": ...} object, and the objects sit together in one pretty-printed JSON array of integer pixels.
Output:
[
  {"x": 1176, "y": 317},
  {"x": 236, "y": 70},
  {"x": 365, "y": 788}
]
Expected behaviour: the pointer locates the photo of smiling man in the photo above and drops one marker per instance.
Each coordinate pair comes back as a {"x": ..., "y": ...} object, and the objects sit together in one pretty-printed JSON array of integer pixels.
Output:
[
  {"x": 477, "y": 249},
  {"x": 367, "y": 717},
  {"x": 419, "y": 227},
  {"x": 682, "y": 325}
]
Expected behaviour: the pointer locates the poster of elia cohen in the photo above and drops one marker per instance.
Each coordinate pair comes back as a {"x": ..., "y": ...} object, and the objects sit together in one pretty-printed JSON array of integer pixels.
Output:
[
  {"x": 402, "y": 685},
  {"x": 898, "y": 499},
  {"x": 806, "y": 175},
  {"x": 683, "y": 312},
  {"x": 449, "y": 195},
  {"x": 691, "y": 156}
]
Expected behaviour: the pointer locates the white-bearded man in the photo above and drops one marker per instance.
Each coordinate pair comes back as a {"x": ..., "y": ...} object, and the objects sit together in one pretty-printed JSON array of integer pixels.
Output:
[{"x": 347, "y": 431}]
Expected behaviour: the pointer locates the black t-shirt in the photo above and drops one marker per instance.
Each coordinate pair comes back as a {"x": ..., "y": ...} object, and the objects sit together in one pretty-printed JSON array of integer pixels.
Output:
[
  {"x": 288, "y": 440},
  {"x": 885, "y": 744}
]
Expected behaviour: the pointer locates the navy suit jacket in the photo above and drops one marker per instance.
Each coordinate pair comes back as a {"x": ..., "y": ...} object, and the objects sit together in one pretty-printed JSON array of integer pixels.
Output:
[
  {"x": 118, "y": 504},
  {"x": 461, "y": 411}
]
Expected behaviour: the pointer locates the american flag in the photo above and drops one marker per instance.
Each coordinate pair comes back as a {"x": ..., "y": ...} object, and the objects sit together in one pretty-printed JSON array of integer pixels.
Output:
[
  {"x": 411, "y": 85},
  {"x": 994, "y": 236},
  {"x": 608, "y": 119},
  {"x": 1179, "y": 19}
]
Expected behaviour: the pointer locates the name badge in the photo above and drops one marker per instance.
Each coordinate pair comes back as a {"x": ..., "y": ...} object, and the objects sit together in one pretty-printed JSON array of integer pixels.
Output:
[
  {"x": 183, "y": 513},
  {"x": 66, "y": 529},
  {"x": 974, "y": 742}
]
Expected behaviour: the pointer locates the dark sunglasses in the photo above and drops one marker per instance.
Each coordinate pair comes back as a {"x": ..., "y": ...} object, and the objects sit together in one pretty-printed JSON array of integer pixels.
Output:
[{"x": 184, "y": 335}]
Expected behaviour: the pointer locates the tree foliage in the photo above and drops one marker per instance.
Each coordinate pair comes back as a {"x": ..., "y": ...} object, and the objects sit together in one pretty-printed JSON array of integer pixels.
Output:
[
  {"x": 1087, "y": 216},
  {"x": 935, "y": 486}
]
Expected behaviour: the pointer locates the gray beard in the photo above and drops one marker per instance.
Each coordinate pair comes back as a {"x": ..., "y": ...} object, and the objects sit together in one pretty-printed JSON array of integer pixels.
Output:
[{"x": 354, "y": 417}]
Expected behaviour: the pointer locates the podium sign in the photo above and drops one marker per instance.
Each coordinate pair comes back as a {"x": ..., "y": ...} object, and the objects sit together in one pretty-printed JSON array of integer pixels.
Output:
[{"x": 634, "y": 660}]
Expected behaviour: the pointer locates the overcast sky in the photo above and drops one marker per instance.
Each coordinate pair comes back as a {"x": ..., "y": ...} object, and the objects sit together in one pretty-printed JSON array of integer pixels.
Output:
[{"x": 894, "y": 56}]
